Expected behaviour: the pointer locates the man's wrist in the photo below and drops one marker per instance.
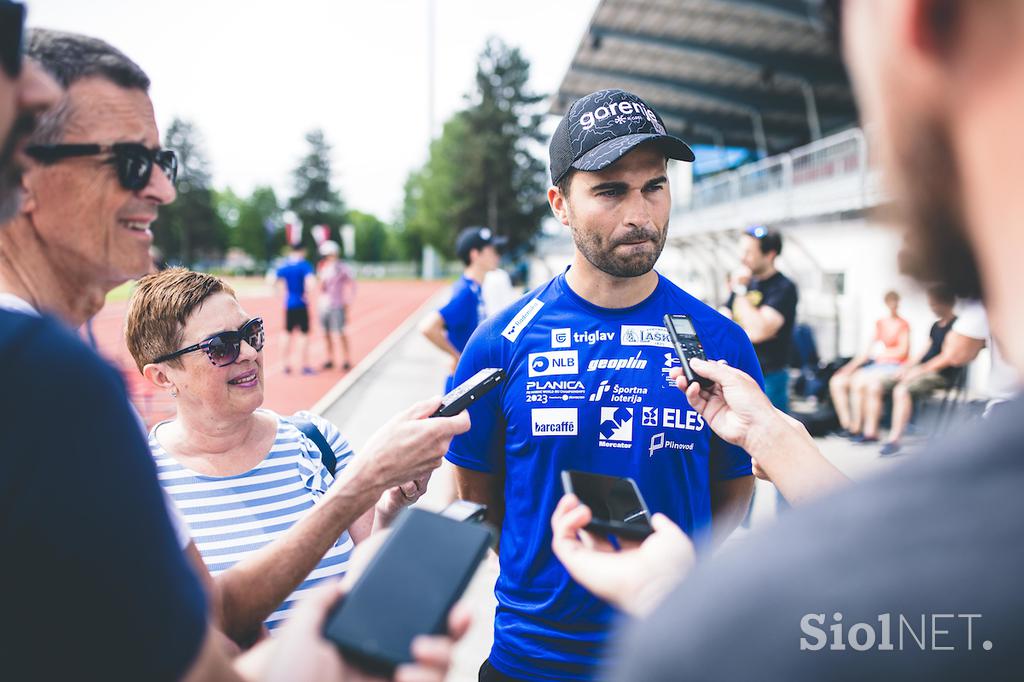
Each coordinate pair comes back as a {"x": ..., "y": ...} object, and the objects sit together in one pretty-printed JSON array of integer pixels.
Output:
[{"x": 766, "y": 436}]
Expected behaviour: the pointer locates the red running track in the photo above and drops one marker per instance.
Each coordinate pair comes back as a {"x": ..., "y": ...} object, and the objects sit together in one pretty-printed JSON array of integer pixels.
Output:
[{"x": 379, "y": 308}]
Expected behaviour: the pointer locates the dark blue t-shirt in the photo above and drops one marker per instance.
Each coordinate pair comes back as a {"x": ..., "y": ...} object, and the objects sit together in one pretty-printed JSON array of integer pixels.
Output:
[
  {"x": 587, "y": 389},
  {"x": 95, "y": 585},
  {"x": 463, "y": 312},
  {"x": 294, "y": 273}
]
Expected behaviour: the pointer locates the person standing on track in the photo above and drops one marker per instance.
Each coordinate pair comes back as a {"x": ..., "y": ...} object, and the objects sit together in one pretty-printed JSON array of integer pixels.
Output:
[{"x": 297, "y": 278}]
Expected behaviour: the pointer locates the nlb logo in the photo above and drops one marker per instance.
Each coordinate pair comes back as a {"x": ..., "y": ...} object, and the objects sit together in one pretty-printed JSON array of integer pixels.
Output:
[
  {"x": 634, "y": 110},
  {"x": 561, "y": 338},
  {"x": 635, "y": 362},
  {"x": 645, "y": 335},
  {"x": 554, "y": 421},
  {"x": 553, "y": 362}
]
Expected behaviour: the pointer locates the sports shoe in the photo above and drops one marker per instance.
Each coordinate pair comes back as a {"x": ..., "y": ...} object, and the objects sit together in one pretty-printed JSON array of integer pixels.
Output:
[{"x": 889, "y": 449}]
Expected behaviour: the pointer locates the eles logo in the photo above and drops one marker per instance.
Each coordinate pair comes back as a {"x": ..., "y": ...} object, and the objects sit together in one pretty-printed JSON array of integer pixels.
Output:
[{"x": 553, "y": 362}]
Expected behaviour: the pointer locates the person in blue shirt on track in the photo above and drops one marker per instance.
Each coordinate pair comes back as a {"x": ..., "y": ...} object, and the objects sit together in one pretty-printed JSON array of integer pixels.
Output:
[
  {"x": 299, "y": 278},
  {"x": 450, "y": 327},
  {"x": 589, "y": 388}
]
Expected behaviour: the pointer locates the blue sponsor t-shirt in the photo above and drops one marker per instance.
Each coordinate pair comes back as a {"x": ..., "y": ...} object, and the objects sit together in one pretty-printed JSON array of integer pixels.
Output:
[
  {"x": 587, "y": 389},
  {"x": 294, "y": 274},
  {"x": 463, "y": 312}
]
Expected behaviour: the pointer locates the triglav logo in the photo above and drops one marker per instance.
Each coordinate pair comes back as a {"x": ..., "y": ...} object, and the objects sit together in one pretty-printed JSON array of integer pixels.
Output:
[
  {"x": 561, "y": 338},
  {"x": 553, "y": 362},
  {"x": 616, "y": 427},
  {"x": 645, "y": 335},
  {"x": 623, "y": 111},
  {"x": 554, "y": 421},
  {"x": 593, "y": 337},
  {"x": 635, "y": 362}
]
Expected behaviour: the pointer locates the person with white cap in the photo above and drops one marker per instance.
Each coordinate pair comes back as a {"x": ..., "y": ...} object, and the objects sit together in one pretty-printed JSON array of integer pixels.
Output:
[{"x": 337, "y": 289}]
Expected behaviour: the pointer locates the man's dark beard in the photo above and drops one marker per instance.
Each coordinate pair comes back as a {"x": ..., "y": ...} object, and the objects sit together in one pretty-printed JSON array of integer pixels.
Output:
[
  {"x": 936, "y": 249},
  {"x": 10, "y": 171},
  {"x": 602, "y": 256}
]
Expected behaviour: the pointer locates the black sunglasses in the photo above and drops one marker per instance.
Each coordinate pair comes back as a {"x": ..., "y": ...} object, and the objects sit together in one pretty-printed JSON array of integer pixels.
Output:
[
  {"x": 134, "y": 161},
  {"x": 223, "y": 348},
  {"x": 12, "y": 26}
]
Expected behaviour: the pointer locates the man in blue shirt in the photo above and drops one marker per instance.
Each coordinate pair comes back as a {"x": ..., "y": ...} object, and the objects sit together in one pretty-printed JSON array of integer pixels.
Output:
[
  {"x": 299, "y": 278},
  {"x": 450, "y": 327},
  {"x": 588, "y": 388}
]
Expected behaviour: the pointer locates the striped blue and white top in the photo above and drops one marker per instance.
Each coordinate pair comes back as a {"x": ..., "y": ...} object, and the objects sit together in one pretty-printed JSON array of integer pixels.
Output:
[{"x": 233, "y": 516}]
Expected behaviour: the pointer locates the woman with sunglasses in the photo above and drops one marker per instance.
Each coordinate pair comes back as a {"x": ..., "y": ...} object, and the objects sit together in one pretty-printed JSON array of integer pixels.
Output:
[{"x": 268, "y": 510}]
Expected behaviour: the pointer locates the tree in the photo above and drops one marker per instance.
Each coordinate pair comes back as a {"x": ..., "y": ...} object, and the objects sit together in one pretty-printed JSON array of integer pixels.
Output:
[
  {"x": 315, "y": 201},
  {"x": 255, "y": 214},
  {"x": 191, "y": 227},
  {"x": 376, "y": 241},
  {"x": 481, "y": 170}
]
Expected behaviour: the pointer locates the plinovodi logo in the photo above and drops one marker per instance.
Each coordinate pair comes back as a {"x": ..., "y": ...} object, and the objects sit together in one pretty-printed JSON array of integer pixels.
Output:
[
  {"x": 616, "y": 430},
  {"x": 554, "y": 421},
  {"x": 553, "y": 362}
]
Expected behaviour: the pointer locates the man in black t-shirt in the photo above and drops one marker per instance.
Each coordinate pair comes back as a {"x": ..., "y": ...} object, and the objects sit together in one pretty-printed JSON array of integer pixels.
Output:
[{"x": 763, "y": 302}]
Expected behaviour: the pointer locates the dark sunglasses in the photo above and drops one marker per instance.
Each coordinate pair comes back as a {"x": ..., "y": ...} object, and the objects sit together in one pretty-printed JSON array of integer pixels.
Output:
[
  {"x": 223, "y": 348},
  {"x": 134, "y": 161},
  {"x": 12, "y": 26}
]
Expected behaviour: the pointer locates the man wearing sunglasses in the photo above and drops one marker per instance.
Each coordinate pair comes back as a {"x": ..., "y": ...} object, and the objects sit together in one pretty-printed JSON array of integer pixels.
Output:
[{"x": 96, "y": 585}]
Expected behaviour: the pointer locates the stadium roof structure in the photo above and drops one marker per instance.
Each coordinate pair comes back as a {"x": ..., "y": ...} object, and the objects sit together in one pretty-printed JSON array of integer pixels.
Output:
[{"x": 757, "y": 74}]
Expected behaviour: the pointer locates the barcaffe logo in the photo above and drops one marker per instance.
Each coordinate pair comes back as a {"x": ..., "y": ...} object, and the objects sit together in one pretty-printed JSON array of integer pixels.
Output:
[
  {"x": 553, "y": 362},
  {"x": 623, "y": 112},
  {"x": 554, "y": 421}
]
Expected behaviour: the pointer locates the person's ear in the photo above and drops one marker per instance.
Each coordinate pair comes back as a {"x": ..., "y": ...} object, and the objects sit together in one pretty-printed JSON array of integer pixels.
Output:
[
  {"x": 157, "y": 375},
  {"x": 28, "y": 193},
  {"x": 934, "y": 26},
  {"x": 559, "y": 205}
]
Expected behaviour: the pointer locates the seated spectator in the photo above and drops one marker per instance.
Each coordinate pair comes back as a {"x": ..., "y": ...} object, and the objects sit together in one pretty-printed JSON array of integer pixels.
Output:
[
  {"x": 886, "y": 353},
  {"x": 930, "y": 371},
  {"x": 269, "y": 511}
]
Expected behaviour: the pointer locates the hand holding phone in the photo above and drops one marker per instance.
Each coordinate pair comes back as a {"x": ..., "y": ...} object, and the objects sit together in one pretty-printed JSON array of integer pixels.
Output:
[
  {"x": 469, "y": 391},
  {"x": 616, "y": 504},
  {"x": 687, "y": 345},
  {"x": 407, "y": 589}
]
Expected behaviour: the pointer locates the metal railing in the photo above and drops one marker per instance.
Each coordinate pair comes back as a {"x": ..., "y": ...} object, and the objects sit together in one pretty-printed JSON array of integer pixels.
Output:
[{"x": 791, "y": 185}]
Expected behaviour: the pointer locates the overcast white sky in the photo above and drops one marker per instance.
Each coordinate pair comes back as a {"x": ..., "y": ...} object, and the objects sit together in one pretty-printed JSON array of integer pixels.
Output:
[{"x": 256, "y": 75}]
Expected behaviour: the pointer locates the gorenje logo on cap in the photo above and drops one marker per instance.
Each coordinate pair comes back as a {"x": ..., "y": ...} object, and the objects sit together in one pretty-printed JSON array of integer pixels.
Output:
[{"x": 624, "y": 111}]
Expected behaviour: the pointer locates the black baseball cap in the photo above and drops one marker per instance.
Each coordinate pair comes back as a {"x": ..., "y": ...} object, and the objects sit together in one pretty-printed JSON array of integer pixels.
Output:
[
  {"x": 476, "y": 238},
  {"x": 602, "y": 127}
]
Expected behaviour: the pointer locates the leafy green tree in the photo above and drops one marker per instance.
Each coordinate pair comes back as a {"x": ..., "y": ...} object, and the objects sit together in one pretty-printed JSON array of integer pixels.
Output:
[
  {"x": 315, "y": 201},
  {"x": 481, "y": 170},
  {"x": 251, "y": 232},
  {"x": 376, "y": 241},
  {"x": 191, "y": 227}
]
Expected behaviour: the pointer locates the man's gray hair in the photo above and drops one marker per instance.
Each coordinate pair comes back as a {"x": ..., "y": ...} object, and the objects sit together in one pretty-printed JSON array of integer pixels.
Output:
[{"x": 69, "y": 57}]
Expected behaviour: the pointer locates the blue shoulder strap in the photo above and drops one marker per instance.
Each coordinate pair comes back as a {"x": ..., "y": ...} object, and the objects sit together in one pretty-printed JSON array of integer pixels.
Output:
[{"x": 309, "y": 429}]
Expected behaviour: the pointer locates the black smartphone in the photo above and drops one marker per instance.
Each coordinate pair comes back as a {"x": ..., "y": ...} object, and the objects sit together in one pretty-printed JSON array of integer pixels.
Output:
[
  {"x": 616, "y": 503},
  {"x": 466, "y": 393},
  {"x": 687, "y": 345},
  {"x": 408, "y": 588},
  {"x": 465, "y": 511}
]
